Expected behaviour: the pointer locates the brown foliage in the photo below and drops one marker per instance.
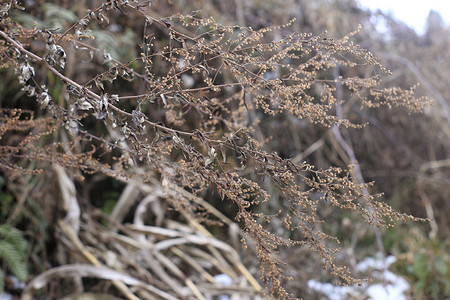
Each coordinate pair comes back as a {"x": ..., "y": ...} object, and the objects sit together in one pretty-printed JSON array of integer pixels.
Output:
[{"x": 190, "y": 118}]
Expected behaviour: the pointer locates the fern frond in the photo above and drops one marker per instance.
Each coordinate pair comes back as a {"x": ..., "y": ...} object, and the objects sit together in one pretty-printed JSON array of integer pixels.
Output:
[
  {"x": 2, "y": 281},
  {"x": 14, "y": 260},
  {"x": 14, "y": 237}
]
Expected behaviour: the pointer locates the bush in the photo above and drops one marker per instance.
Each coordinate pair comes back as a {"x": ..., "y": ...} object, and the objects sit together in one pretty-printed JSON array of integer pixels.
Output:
[{"x": 185, "y": 115}]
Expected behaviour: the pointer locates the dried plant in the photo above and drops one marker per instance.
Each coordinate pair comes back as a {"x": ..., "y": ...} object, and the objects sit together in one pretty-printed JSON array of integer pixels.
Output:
[{"x": 198, "y": 91}]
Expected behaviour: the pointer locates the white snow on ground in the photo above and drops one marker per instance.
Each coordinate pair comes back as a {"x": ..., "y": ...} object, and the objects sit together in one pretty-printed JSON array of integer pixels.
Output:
[
  {"x": 394, "y": 288},
  {"x": 226, "y": 281}
]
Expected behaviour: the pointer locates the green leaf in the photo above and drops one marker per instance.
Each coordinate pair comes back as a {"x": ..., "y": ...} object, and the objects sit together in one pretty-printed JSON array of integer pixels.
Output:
[
  {"x": 26, "y": 19},
  {"x": 58, "y": 17},
  {"x": 14, "y": 237},
  {"x": 441, "y": 266},
  {"x": 421, "y": 266},
  {"x": 13, "y": 260},
  {"x": 2, "y": 281}
]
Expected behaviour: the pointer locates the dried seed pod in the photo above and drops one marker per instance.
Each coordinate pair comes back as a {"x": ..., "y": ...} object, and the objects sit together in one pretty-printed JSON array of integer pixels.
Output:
[
  {"x": 56, "y": 56},
  {"x": 25, "y": 72}
]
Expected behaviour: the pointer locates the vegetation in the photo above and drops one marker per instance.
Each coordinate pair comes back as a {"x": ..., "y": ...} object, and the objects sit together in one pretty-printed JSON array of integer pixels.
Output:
[
  {"x": 131, "y": 131},
  {"x": 12, "y": 251}
]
